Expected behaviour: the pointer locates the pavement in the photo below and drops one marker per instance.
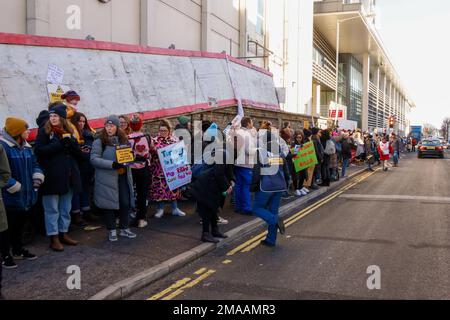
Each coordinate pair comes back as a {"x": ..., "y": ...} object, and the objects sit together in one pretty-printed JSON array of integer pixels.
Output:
[
  {"x": 166, "y": 245},
  {"x": 388, "y": 228}
]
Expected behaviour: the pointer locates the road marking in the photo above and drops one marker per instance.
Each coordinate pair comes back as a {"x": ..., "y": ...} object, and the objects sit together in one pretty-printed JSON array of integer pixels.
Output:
[
  {"x": 176, "y": 285},
  {"x": 227, "y": 261},
  {"x": 255, "y": 241},
  {"x": 200, "y": 271},
  {"x": 189, "y": 285},
  {"x": 367, "y": 197}
]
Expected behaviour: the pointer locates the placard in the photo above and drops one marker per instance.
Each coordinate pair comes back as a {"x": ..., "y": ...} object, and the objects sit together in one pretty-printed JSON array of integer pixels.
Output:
[
  {"x": 55, "y": 92},
  {"x": 305, "y": 157},
  {"x": 55, "y": 75},
  {"x": 175, "y": 164},
  {"x": 124, "y": 154}
]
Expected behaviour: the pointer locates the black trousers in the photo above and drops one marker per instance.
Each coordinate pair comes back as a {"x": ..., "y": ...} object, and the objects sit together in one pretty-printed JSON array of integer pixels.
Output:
[
  {"x": 209, "y": 218},
  {"x": 125, "y": 206},
  {"x": 325, "y": 170},
  {"x": 141, "y": 179},
  {"x": 12, "y": 238},
  {"x": 299, "y": 179}
]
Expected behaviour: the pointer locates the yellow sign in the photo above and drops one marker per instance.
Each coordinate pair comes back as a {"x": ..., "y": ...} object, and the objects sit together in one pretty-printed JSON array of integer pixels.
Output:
[
  {"x": 56, "y": 91},
  {"x": 124, "y": 154}
]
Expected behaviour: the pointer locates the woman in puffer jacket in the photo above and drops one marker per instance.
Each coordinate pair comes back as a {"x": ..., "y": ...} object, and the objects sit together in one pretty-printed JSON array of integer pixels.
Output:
[{"x": 20, "y": 194}]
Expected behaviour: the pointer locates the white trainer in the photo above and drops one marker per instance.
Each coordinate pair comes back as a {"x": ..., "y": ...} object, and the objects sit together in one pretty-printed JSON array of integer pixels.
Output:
[
  {"x": 142, "y": 224},
  {"x": 126, "y": 233},
  {"x": 305, "y": 190},
  {"x": 178, "y": 212},
  {"x": 298, "y": 193},
  {"x": 159, "y": 213}
]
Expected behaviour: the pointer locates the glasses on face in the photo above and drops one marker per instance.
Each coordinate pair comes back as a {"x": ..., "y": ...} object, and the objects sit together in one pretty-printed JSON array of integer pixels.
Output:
[{"x": 163, "y": 130}]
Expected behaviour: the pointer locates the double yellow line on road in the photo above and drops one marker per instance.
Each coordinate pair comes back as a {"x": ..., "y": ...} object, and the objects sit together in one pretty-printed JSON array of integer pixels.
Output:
[
  {"x": 255, "y": 241},
  {"x": 180, "y": 286}
]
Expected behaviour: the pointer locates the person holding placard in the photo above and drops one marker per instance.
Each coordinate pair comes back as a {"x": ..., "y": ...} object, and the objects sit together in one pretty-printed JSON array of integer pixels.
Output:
[
  {"x": 113, "y": 190},
  {"x": 301, "y": 176},
  {"x": 159, "y": 189},
  {"x": 58, "y": 154}
]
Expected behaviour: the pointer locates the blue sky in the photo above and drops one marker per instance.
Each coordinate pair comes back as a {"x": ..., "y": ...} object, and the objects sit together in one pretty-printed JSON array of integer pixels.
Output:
[{"x": 416, "y": 35}]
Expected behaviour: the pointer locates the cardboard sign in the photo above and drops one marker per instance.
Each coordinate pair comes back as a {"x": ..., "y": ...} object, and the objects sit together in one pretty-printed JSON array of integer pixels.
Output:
[
  {"x": 175, "y": 165},
  {"x": 55, "y": 75},
  {"x": 56, "y": 91},
  {"x": 124, "y": 154},
  {"x": 305, "y": 157}
]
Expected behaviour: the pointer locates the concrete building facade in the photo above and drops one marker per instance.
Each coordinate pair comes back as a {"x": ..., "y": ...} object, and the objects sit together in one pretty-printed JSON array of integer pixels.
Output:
[
  {"x": 352, "y": 69},
  {"x": 351, "y": 66},
  {"x": 272, "y": 34}
]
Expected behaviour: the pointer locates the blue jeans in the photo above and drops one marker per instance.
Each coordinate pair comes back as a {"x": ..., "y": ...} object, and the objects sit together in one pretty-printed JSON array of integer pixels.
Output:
[
  {"x": 345, "y": 163},
  {"x": 57, "y": 213},
  {"x": 80, "y": 202},
  {"x": 396, "y": 157},
  {"x": 265, "y": 206},
  {"x": 161, "y": 204},
  {"x": 243, "y": 201}
]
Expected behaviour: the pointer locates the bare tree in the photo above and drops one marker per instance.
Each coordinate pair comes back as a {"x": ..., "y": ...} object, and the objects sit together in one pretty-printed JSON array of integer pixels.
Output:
[
  {"x": 429, "y": 130},
  {"x": 445, "y": 128}
]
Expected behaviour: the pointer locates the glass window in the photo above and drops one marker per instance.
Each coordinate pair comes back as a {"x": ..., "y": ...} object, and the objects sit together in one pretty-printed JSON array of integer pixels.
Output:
[{"x": 260, "y": 18}]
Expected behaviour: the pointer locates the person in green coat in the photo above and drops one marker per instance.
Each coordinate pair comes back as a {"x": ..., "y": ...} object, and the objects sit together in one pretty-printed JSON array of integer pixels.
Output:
[{"x": 5, "y": 174}]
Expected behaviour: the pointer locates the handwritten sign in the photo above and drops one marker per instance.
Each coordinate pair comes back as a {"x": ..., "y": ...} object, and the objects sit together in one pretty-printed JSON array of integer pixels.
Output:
[
  {"x": 305, "y": 157},
  {"x": 124, "y": 154},
  {"x": 55, "y": 92},
  {"x": 55, "y": 75},
  {"x": 175, "y": 165}
]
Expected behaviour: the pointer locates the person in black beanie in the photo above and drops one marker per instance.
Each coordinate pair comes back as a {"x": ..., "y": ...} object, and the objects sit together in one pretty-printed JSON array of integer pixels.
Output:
[{"x": 58, "y": 154}]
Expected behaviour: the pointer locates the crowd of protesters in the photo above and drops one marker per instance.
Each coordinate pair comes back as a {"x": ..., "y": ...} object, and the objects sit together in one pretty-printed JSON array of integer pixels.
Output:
[{"x": 73, "y": 168}]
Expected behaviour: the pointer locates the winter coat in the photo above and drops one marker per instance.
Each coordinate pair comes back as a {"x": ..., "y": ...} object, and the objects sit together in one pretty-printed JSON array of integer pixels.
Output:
[
  {"x": 384, "y": 150},
  {"x": 346, "y": 149},
  {"x": 318, "y": 148},
  {"x": 5, "y": 174},
  {"x": 330, "y": 148},
  {"x": 106, "y": 189},
  {"x": 59, "y": 164},
  {"x": 208, "y": 189},
  {"x": 396, "y": 145},
  {"x": 369, "y": 147},
  {"x": 24, "y": 168},
  {"x": 87, "y": 171},
  {"x": 159, "y": 189}
]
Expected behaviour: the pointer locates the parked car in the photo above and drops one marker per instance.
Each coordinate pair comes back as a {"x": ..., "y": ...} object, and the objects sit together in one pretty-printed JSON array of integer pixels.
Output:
[{"x": 431, "y": 148}]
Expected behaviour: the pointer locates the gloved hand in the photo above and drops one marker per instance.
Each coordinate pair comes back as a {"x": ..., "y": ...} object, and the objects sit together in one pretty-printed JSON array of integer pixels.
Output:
[{"x": 118, "y": 166}]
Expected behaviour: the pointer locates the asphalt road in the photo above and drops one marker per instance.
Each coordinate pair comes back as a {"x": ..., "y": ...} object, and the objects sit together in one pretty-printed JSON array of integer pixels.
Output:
[{"x": 394, "y": 222}]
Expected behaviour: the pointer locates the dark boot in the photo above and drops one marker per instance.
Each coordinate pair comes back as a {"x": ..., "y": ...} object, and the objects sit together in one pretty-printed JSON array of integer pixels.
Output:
[
  {"x": 65, "y": 239},
  {"x": 89, "y": 217},
  {"x": 281, "y": 226},
  {"x": 207, "y": 237},
  {"x": 55, "y": 244},
  {"x": 77, "y": 220},
  {"x": 217, "y": 234}
]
